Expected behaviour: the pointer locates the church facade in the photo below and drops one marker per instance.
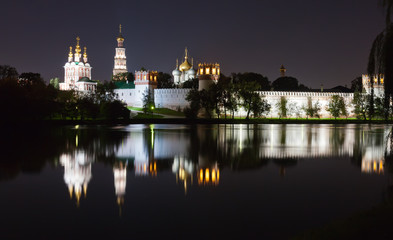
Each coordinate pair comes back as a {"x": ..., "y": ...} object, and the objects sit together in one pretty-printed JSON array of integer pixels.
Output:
[{"x": 77, "y": 71}]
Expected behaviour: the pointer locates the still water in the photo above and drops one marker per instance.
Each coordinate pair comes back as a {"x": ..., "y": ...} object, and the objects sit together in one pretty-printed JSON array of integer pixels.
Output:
[{"x": 188, "y": 181}]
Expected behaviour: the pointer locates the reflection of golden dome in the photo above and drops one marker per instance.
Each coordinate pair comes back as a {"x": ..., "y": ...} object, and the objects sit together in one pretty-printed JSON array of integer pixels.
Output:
[{"x": 185, "y": 66}]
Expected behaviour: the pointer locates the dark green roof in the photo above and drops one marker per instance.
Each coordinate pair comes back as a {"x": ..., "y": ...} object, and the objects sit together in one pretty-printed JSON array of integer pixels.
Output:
[
  {"x": 85, "y": 79},
  {"x": 124, "y": 85}
]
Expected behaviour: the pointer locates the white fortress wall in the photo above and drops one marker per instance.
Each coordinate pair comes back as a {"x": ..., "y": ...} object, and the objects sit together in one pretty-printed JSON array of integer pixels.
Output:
[
  {"x": 175, "y": 98},
  {"x": 132, "y": 97},
  {"x": 300, "y": 99},
  {"x": 172, "y": 98}
]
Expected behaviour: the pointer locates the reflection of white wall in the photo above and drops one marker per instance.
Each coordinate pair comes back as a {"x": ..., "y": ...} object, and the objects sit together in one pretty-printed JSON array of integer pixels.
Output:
[
  {"x": 282, "y": 141},
  {"x": 163, "y": 144}
]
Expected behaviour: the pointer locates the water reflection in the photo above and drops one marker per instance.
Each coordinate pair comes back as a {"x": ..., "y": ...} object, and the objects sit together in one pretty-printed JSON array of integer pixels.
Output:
[
  {"x": 201, "y": 152},
  {"x": 77, "y": 173}
]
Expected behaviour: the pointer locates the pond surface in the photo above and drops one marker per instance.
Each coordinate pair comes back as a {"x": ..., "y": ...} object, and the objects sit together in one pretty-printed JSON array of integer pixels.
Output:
[{"x": 187, "y": 181}]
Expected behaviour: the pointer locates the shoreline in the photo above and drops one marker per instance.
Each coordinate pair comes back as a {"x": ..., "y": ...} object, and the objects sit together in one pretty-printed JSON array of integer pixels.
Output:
[{"x": 195, "y": 121}]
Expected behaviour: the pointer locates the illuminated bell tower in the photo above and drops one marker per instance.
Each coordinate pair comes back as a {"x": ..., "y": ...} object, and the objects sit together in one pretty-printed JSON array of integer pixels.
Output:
[
  {"x": 282, "y": 70},
  {"x": 120, "y": 57}
]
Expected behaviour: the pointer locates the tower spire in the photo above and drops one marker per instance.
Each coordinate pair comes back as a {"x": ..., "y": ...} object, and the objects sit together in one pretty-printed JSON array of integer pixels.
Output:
[
  {"x": 177, "y": 63},
  {"x": 186, "y": 54},
  {"x": 85, "y": 55},
  {"x": 77, "y": 48},
  {"x": 70, "y": 55}
]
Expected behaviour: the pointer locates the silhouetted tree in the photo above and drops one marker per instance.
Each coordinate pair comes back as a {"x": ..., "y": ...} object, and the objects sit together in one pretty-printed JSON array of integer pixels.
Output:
[
  {"x": 262, "y": 83},
  {"x": 356, "y": 84},
  {"x": 164, "y": 80}
]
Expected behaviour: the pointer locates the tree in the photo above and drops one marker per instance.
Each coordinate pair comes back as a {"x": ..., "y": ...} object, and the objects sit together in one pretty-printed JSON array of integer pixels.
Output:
[
  {"x": 207, "y": 102},
  {"x": 261, "y": 82},
  {"x": 29, "y": 78},
  {"x": 259, "y": 106},
  {"x": 194, "y": 99},
  {"x": 293, "y": 110},
  {"x": 148, "y": 102},
  {"x": 164, "y": 80},
  {"x": 282, "y": 107},
  {"x": 356, "y": 84},
  {"x": 54, "y": 82},
  {"x": 231, "y": 96},
  {"x": 248, "y": 95},
  {"x": 360, "y": 104},
  {"x": 8, "y": 72},
  {"x": 312, "y": 110},
  {"x": 191, "y": 83},
  {"x": 337, "y": 106},
  {"x": 288, "y": 84}
]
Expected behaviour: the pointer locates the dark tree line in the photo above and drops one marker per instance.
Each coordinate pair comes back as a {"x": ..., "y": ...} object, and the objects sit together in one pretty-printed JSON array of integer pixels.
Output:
[{"x": 26, "y": 97}]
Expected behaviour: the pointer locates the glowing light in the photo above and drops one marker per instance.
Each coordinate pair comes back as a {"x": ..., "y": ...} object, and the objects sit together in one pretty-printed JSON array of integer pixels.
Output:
[
  {"x": 213, "y": 175},
  {"x": 375, "y": 166},
  {"x": 155, "y": 167},
  {"x": 214, "y": 71},
  {"x": 207, "y": 175},
  {"x": 201, "y": 175},
  {"x": 218, "y": 175},
  {"x": 207, "y": 70}
]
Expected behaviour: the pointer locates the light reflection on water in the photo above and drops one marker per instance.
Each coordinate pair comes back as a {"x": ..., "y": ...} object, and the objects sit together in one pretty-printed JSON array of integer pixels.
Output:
[{"x": 207, "y": 156}]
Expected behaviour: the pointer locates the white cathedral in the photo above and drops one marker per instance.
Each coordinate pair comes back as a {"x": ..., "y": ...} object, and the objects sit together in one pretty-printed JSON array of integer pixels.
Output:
[{"x": 77, "y": 72}]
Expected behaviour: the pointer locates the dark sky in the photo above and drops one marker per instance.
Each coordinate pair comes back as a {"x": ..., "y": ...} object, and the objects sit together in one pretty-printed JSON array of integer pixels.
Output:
[{"x": 318, "y": 41}]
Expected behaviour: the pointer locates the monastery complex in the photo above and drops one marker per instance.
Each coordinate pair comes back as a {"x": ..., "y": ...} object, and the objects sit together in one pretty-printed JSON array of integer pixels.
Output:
[{"x": 78, "y": 72}]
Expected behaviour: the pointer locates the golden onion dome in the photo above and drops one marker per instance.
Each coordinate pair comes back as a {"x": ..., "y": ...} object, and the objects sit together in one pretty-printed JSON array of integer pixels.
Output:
[{"x": 185, "y": 66}]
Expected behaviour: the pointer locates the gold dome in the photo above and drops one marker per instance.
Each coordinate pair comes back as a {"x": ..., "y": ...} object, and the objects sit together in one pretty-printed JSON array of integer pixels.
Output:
[{"x": 185, "y": 66}]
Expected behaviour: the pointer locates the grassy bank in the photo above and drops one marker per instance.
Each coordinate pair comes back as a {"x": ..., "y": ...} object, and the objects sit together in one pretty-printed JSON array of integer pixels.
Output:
[{"x": 164, "y": 111}]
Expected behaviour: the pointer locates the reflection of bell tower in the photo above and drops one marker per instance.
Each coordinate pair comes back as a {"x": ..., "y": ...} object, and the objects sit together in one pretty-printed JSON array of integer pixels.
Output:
[{"x": 120, "y": 178}]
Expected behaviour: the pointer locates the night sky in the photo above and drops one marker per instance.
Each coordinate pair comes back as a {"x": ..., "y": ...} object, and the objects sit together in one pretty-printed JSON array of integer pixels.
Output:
[{"x": 319, "y": 42}]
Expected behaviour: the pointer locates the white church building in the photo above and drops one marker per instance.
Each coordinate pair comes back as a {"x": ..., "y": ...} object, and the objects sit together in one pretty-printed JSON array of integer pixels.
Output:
[{"x": 77, "y": 72}]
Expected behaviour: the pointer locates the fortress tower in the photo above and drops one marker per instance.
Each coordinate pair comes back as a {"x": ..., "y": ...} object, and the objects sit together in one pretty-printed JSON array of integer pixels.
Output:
[
  {"x": 378, "y": 84},
  {"x": 120, "y": 65},
  {"x": 208, "y": 74}
]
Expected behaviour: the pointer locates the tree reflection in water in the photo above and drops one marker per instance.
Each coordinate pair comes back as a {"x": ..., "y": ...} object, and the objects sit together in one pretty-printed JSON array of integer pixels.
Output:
[{"x": 196, "y": 152}]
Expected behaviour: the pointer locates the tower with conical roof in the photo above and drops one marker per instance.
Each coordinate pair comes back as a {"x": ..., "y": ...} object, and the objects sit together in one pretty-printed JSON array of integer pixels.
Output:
[{"x": 120, "y": 65}]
